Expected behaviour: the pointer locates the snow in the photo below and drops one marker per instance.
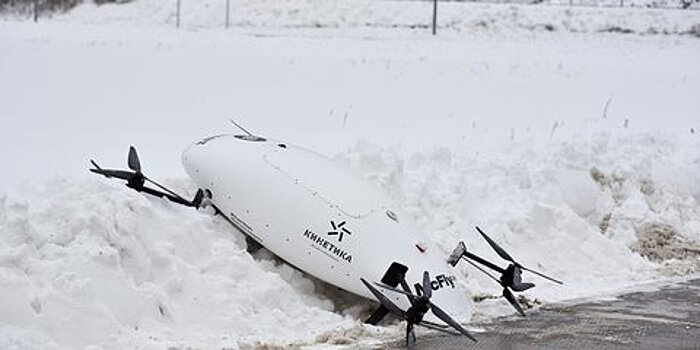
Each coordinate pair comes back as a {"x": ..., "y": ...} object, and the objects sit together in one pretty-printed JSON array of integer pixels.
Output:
[
  {"x": 414, "y": 15},
  {"x": 543, "y": 204},
  {"x": 565, "y": 146}
]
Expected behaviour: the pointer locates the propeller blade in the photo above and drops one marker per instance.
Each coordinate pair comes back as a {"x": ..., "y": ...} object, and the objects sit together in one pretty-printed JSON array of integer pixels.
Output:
[
  {"x": 437, "y": 328},
  {"x": 542, "y": 275},
  {"x": 503, "y": 254},
  {"x": 427, "y": 289},
  {"x": 384, "y": 300},
  {"x": 95, "y": 165},
  {"x": 119, "y": 174},
  {"x": 411, "y": 296},
  {"x": 133, "y": 161},
  {"x": 511, "y": 299},
  {"x": 433, "y": 324},
  {"x": 439, "y": 313},
  {"x": 410, "y": 336},
  {"x": 500, "y": 251}
]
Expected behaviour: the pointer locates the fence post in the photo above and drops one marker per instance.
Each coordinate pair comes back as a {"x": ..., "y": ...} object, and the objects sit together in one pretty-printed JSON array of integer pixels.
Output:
[
  {"x": 177, "y": 15},
  {"x": 435, "y": 16},
  {"x": 228, "y": 8},
  {"x": 36, "y": 10},
  {"x": 622, "y": 3}
]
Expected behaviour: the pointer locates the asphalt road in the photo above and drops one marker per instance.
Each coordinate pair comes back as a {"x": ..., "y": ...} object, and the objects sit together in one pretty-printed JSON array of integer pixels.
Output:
[{"x": 668, "y": 318}]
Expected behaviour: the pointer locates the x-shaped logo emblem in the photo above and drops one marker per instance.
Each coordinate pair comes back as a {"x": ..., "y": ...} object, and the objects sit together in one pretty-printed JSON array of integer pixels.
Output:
[{"x": 338, "y": 230}]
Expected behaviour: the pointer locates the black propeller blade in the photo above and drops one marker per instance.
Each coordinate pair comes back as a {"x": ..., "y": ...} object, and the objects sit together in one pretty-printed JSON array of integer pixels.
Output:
[
  {"x": 439, "y": 313},
  {"x": 437, "y": 327},
  {"x": 131, "y": 176},
  {"x": 541, "y": 275},
  {"x": 119, "y": 174},
  {"x": 511, "y": 299},
  {"x": 384, "y": 300},
  {"x": 427, "y": 289},
  {"x": 500, "y": 251},
  {"x": 503, "y": 254},
  {"x": 97, "y": 167},
  {"x": 410, "y": 336},
  {"x": 133, "y": 160}
]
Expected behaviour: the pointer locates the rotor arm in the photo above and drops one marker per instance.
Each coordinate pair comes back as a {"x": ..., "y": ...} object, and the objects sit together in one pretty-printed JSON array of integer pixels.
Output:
[
  {"x": 136, "y": 180},
  {"x": 482, "y": 261},
  {"x": 510, "y": 276},
  {"x": 175, "y": 199}
]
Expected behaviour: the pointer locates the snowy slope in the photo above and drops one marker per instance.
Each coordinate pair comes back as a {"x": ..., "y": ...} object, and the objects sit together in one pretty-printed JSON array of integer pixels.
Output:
[
  {"x": 576, "y": 209},
  {"x": 567, "y": 148},
  {"x": 84, "y": 263}
]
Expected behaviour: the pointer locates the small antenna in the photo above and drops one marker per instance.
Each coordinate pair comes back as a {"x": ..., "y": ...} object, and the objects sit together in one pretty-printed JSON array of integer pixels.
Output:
[
  {"x": 240, "y": 127},
  {"x": 248, "y": 136}
]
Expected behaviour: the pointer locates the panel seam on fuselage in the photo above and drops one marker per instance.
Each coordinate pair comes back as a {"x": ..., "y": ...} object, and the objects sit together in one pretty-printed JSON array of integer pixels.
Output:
[{"x": 313, "y": 192}]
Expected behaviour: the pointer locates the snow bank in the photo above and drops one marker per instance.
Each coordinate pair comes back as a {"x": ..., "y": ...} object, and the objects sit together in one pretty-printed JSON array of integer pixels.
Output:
[
  {"x": 577, "y": 210},
  {"x": 460, "y": 17},
  {"x": 86, "y": 264}
]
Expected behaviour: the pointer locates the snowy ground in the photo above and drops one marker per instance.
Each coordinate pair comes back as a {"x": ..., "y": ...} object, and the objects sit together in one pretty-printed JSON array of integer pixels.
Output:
[
  {"x": 356, "y": 15},
  {"x": 567, "y": 147}
]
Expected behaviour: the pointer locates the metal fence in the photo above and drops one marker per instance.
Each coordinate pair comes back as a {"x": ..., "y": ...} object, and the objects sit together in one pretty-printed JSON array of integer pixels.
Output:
[
  {"x": 182, "y": 9},
  {"x": 642, "y": 4}
]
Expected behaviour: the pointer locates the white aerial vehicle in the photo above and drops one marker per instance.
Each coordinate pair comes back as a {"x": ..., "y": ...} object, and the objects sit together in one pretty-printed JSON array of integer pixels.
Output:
[{"x": 329, "y": 223}]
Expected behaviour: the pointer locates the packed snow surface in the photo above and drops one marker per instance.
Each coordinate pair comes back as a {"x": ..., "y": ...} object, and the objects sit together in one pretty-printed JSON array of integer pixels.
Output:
[{"x": 579, "y": 153}]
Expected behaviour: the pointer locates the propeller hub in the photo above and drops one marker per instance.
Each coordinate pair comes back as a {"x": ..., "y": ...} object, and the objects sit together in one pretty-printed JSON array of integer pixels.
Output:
[{"x": 415, "y": 313}]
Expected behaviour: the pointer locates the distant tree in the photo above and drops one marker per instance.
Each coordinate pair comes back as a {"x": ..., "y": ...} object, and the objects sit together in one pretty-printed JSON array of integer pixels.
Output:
[
  {"x": 49, "y": 5},
  {"x": 44, "y": 5},
  {"x": 687, "y": 3}
]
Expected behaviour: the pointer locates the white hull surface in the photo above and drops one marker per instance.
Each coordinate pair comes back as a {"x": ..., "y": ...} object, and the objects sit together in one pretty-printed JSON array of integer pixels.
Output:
[{"x": 317, "y": 216}]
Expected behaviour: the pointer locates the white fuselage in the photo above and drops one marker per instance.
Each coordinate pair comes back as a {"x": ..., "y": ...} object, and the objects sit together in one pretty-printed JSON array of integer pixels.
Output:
[{"x": 317, "y": 216}]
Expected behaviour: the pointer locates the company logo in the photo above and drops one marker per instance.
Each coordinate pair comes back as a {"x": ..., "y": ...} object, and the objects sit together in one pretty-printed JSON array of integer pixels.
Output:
[
  {"x": 440, "y": 281},
  {"x": 328, "y": 248},
  {"x": 339, "y": 230}
]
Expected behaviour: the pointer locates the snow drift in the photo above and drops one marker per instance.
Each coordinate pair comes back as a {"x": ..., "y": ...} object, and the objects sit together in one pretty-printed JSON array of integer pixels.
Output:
[{"x": 86, "y": 263}]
